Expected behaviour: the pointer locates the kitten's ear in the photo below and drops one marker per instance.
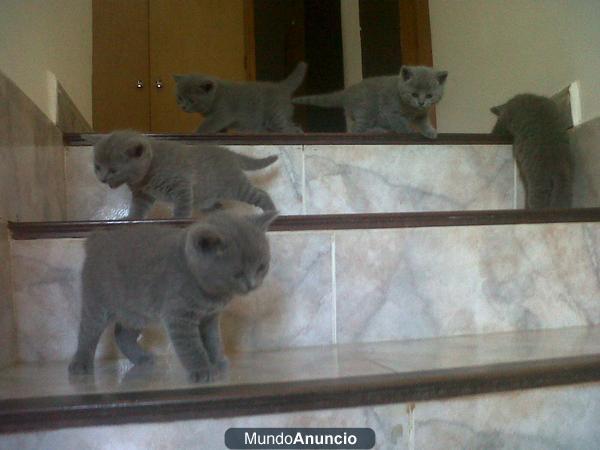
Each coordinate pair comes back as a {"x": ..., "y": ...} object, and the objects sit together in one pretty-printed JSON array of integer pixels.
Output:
[
  {"x": 497, "y": 110},
  {"x": 265, "y": 219},
  {"x": 406, "y": 73},
  {"x": 209, "y": 242},
  {"x": 136, "y": 151},
  {"x": 441, "y": 76}
]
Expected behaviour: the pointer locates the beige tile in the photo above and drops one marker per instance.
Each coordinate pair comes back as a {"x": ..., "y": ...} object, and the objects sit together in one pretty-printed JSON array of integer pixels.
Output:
[
  {"x": 414, "y": 283},
  {"x": 377, "y": 178}
]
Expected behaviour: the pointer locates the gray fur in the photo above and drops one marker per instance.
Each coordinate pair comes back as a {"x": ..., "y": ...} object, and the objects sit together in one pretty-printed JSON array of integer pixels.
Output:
[
  {"x": 188, "y": 176},
  {"x": 391, "y": 103},
  {"x": 182, "y": 277},
  {"x": 258, "y": 107},
  {"x": 541, "y": 149}
]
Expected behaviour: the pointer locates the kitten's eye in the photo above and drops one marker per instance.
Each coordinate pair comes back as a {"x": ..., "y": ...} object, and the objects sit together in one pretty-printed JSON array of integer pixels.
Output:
[
  {"x": 415, "y": 95},
  {"x": 112, "y": 171},
  {"x": 429, "y": 96},
  {"x": 96, "y": 167},
  {"x": 238, "y": 275}
]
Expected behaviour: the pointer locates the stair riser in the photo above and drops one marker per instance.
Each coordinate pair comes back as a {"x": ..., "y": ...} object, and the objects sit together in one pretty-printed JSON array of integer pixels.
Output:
[
  {"x": 354, "y": 286},
  {"x": 560, "y": 417},
  {"x": 341, "y": 179}
]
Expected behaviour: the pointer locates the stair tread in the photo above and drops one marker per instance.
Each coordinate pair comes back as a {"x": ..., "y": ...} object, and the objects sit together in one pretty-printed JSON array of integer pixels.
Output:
[
  {"x": 82, "y": 139},
  {"x": 34, "y": 396},
  {"x": 73, "y": 229}
]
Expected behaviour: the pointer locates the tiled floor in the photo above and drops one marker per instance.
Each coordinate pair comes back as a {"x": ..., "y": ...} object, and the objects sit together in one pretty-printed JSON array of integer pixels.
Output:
[{"x": 34, "y": 380}]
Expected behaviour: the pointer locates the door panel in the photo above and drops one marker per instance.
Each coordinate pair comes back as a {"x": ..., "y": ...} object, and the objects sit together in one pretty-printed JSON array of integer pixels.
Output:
[
  {"x": 120, "y": 58},
  {"x": 186, "y": 36}
]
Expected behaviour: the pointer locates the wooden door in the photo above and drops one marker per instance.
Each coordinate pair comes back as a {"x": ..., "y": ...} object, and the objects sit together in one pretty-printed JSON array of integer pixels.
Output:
[
  {"x": 187, "y": 36},
  {"x": 119, "y": 60}
]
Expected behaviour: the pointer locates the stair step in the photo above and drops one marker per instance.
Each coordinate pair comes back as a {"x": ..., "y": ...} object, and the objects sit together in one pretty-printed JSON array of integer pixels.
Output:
[
  {"x": 39, "y": 396},
  {"x": 76, "y": 229}
]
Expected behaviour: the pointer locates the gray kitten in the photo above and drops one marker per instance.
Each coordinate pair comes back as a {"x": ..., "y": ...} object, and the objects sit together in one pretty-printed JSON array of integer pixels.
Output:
[
  {"x": 185, "y": 175},
  {"x": 541, "y": 149},
  {"x": 181, "y": 277},
  {"x": 257, "y": 107},
  {"x": 390, "y": 103}
]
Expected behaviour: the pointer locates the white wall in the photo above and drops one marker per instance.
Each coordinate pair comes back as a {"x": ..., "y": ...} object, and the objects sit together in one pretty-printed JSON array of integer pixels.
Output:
[
  {"x": 55, "y": 35},
  {"x": 495, "y": 49},
  {"x": 352, "y": 47}
]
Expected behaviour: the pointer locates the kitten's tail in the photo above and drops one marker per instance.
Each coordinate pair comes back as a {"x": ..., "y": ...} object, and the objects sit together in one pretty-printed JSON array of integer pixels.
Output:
[
  {"x": 295, "y": 79},
  {"x": 332, "y": 100},
  {"x": 248, "y": 163}
]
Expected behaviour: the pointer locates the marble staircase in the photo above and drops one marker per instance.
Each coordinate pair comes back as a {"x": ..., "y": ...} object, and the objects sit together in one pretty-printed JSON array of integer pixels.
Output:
[{"x": 407, "y": 293}]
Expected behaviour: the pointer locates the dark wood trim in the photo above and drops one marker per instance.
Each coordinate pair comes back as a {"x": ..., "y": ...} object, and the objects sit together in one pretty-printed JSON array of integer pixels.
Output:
[
  {"x": 19, "y": 415},
  {"x": 48, "y": 230},
  {"x": 415, "y": 33},
  {"x": 85, "y": 139},
  {"x": 249, "y": 40}
]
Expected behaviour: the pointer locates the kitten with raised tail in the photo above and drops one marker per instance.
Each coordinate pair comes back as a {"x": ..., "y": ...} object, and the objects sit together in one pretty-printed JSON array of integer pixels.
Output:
[
  {"x": 187, "y": 176},
  {"x": 540, "y": 147},
  {"x": 184, "y": 279},
  {"x": 257, "y": 106},
  {"x": 389, "y": 103}
]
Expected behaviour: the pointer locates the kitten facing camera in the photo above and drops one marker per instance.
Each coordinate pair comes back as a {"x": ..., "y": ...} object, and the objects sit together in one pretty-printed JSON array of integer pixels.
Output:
[
  {"x": 257, "y": 107},
  {"x": 540, "y": 147},
  {"x": 187, "y": 176},
  {"x": 183, "y": 278},
  {"x": 390, "y": 103}
]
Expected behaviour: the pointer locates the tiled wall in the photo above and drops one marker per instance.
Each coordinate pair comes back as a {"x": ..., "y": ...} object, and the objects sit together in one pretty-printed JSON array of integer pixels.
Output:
[
  {"x": 550, "y": 418},
  {"x": 32, "y": 185},
  {"x": 340, "y": 179},
  {"x": 355, "y": 286}
]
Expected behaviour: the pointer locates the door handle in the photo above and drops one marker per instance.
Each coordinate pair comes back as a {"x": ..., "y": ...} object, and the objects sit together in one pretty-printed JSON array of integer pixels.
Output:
[
  {"x": 158, "y": 84},
  {"x": 139, "y": 84}
]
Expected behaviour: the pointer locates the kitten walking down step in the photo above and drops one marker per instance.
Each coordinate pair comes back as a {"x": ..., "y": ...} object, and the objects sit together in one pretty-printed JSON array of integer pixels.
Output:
[
  {"x": 391, "y": 103},
  {"x": 183, "y": 278},
  {"x": 187, "y": 176},
  {"x": 541, "y": 149},
  {"x": 254, "y": 106}
]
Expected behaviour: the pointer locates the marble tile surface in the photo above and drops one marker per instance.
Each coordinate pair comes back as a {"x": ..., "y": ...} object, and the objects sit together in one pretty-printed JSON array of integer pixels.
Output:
[
  {"x": 292, "y": 308},
  {"x": 415, "y": 283},
  {"x": 371, "y": 178},
  {"x": 32, "y": 177},
  {"x": 308, "y": 363},
  {"x": 539, "y": 419},
  {"x": 585, "y": 145},
  {"x": 88, "y": 199},
  {"x": 7, "y": 325}
]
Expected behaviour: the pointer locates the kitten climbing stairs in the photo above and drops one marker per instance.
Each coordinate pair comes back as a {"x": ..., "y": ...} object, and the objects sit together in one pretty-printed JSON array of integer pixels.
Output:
[{"x": 471, "y": 324}]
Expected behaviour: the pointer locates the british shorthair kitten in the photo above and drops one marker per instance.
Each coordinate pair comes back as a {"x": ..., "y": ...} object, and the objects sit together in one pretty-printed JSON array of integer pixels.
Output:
[
  {"x": 389, "y": 103},
  {"x": 187, "y": 176},
  {"x": 257, "y": 107},
  {"x": 540, "y": 147},
  {"x": 184, "y": 278}
]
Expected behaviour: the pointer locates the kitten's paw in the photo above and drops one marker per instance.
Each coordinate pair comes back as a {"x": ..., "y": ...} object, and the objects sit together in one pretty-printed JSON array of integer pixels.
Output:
[
  {"x": 146, "y": 359},
  {"x": 204, "y": 375},
  {"x": 222, "y": 365},
  {"x": 80, "y": 367},
  {"x": 431, "y": 134}
]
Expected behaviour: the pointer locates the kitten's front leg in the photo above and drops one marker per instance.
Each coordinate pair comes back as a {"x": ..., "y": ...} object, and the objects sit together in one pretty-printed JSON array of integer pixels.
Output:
[
  {"x": 213, "y": 124},
  {"x": 424, "y": 126},
  {"x": 140, "y": 205},
  {"x": 210, "y": 330},
  {"x": 185, "y": 335},
  {"x": 184, "y": 201}
]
